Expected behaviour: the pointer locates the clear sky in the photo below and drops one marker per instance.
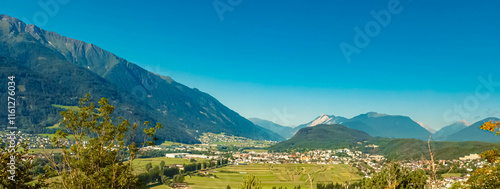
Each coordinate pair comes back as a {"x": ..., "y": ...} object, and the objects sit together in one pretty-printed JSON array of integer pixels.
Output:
[{"x": 268, "y": 58}]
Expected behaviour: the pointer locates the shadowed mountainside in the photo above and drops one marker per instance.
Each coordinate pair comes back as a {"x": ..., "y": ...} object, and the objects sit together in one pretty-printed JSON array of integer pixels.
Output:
[{"x": 53, "y": 69}]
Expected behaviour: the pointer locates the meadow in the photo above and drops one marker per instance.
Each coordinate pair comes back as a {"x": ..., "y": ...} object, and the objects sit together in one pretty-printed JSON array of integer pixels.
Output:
[
  {"x": 139, "y": 164},
  {"x": 286, "y": 175}
]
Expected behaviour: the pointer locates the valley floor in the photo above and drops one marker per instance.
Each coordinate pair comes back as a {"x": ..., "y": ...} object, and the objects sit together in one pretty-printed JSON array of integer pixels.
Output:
[{"x": 286, "y": 175}]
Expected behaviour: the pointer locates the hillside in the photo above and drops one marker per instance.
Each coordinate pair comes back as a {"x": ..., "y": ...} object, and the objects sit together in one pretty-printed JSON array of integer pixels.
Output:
[
  {"x": 322, "y": 137},
  {"x": 53, "y": 69},
  {"x": 284, "y": 131},
  {"x": 326, "y": 120},
  {"x": 473, "y": 133},
  {"x": 449, "y": 130},
  {"x": 393, "y": 126},
  {"x": 339, "y": 136},
  {"x": 44, "y": 78},
  {"x": 375, "y": 124},
  {"x": 406, "y": 149},
  {"x": 321, "y": 119}
]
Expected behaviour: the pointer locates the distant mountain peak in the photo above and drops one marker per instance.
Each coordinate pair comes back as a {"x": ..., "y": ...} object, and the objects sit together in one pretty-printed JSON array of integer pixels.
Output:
[
  {"x": 9, "y": 18},
  {"x": 465, "y": 122},
  {"x": 425, "y": 126},
  {"x": 327, "y": 120},
  {"x": 471, "y": 132},
  {"x": 324, "y": 137},
  {"x": 375, "y": 114}
]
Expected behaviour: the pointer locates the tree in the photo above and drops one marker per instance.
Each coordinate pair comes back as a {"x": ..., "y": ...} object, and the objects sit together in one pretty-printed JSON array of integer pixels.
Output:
[
  {"x": 251, "y": 182},
  {"x": 178, "y": 178},
  {"x": 456, "y": 185},
  {"x": 165, "y": 180},
  {"x": 491, "y": 126},
  {"x": 228, "y": 187},
  {"x": 23, "y": 176},
  {"x": 162, "y": 165},
  {"x": 149, "y": 166},
  {"x": 394, "y": 176},
  {"x": 99, "y": 157},
  {"x": 488, "y": 176}
]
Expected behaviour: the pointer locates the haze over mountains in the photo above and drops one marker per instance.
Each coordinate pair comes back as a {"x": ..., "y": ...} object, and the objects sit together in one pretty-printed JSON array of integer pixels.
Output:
[
  {"x": 53, "y": 69},
  {"x": 473, "y": 133},
  {"x": 339, "y": 136},
  {"x": 284, "y": 131},
  {"x": 392, "y": 126},
  {"x": 451, "y": 129}
]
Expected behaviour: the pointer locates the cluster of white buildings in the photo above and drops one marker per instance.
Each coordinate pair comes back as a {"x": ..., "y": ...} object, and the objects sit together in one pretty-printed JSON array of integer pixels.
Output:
[
  {"x": 214, "y": 139},
  {"x": 35, "y": 140},
  {"x": 470, "y": 157},
  {"x": 189, "y": 156},
  {"x": 338, "y": 156}
]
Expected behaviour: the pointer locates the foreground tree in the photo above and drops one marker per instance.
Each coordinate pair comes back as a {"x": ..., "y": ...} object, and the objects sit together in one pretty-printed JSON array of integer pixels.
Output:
[
  {"x": 99, "y": 157},
  {"x": 178, "y": 178},
  {"x": 394, "y": 176},
  {"x": 149, "y": 166},
  {"x": 16, "y": 168},
  {"x": 488, "y": 176},
  {"x": 251, "y": 182},
  {"x": 162, "y": 165}
]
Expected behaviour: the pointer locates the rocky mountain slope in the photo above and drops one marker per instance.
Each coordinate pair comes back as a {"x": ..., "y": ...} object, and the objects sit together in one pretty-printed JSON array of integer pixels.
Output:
[{"x": 58, "y": 70}]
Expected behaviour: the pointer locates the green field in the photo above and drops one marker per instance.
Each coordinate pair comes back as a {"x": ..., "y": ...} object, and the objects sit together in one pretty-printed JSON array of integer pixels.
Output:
[
  {"x": 446, "y": 175},
  {"x": 157, "y": 186},
  {"x": 286, "y": 175},
  {"x": 43, "y": 151},
  {"x": 255, "y": 150},
  {"x": 168, "y": 143},
  {"x": 139, "y": 164},
  {"x": 55, "y": 126},
  {"x": 49, "y": 151},
  {"x": 66, "y": 107}
]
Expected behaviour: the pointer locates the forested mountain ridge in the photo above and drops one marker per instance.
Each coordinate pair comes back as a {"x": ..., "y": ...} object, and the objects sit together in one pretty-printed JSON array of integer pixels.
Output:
[{"x": 54, "y": 69}]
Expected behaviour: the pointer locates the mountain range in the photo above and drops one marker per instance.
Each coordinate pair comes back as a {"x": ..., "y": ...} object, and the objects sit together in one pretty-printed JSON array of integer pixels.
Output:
[
  {"x": 473, "y": 133},
  {"x": 288, "y": 132},
  {"x": 51, "y": 69},
  {"x": 372, "y": 123},
  {"x": 451, "y": 129},
  {"x": 392, "y": 126},
  {"x": 323, "y": 137},
  {"x": 284, "y": 131},
  {"x": 330, "y": 137}
]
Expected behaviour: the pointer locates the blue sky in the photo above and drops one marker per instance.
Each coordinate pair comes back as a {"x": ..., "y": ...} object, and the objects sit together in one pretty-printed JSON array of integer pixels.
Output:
[{"x": 269, "y": 58}]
